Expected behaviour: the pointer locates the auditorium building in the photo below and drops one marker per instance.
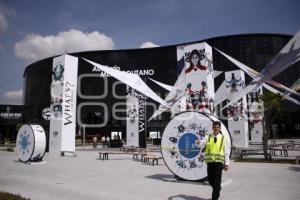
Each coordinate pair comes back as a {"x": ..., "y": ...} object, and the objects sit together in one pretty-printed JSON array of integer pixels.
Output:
[{"x": 161, "y": 64}]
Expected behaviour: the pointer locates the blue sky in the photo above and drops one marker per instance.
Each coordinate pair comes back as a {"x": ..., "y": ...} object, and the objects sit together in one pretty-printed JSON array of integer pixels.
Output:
[{"x": 35, "y": 29}]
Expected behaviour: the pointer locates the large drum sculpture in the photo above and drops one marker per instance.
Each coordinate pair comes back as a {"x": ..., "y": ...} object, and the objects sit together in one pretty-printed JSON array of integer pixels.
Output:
[
  {"x": 180, "y": 151},
  {"x": 31, "y": 143}
]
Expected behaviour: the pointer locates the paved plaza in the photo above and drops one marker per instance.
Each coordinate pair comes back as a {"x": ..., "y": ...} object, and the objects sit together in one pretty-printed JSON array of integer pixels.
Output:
[{"x": 121, "y": 178}]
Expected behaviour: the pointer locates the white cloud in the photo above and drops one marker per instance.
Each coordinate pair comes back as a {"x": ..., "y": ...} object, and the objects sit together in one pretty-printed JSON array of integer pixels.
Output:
[
  {"x": 3, "y": 22},
  {"x": 13, "y": 97},
  {"x": 148, "y": 45},
  {"x": 4, "y": 12},
  {"x": 1, "y": 48},
  {"x": 34, "y": 47}
]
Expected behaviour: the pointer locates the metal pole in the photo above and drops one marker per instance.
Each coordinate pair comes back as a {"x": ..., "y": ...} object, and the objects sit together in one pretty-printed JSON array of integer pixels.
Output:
[
  {"x": 145, "y": 113},
  {"x": 83, "y": 135}
]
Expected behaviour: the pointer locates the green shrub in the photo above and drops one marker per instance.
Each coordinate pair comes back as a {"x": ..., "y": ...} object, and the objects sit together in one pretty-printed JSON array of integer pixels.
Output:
[{"x": 8, "y": 196}]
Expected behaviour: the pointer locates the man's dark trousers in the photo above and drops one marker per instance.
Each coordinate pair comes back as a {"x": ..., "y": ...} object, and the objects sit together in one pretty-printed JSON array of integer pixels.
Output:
[{"x": 214, "y": 173}]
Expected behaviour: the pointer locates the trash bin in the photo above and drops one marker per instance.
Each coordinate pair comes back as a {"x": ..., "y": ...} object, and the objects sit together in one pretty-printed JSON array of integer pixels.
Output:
[{"x": 94, "y": 142}]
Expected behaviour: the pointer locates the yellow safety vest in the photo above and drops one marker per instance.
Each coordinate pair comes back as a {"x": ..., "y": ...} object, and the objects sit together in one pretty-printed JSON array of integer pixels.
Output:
[{"x": 214, "y": 152}]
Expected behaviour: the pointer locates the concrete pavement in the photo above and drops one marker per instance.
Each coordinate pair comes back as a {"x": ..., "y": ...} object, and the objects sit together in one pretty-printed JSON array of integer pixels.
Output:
[{"x": 121, "y": 178}]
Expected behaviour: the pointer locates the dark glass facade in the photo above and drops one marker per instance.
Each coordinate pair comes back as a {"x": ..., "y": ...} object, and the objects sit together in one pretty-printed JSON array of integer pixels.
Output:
[
  {"x": 254, "y": 50},
  {"x": 11, "y": 118}
]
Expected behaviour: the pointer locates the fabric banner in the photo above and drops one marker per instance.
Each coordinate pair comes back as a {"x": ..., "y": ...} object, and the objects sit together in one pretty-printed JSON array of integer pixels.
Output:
[
  {"x": 142, "y": 120},
  {"x": 255, "y": 115},
  {"x": 63, "y": 104},
  {"x": 296, "y": 86},
  {"x": 136, "y": 118},
  {"x": 221, "y": 94},
  {"x": 194, "y": 88},
  {"x": 198, "y": 70},
  {"x": 132, "y": 126},
  {"x": 288, "y": 55},
  {"x": 254, "y": 74},
  {"x": 236, "y": 113},
  {"x": 285, "y": 95},
  {"x": 175, "y": 98},
  {"x": 132, "y": 80},
  {"x": 165, "y": 86}
]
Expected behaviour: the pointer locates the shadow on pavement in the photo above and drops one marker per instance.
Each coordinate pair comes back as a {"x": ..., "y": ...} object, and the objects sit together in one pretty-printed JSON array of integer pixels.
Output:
[
  {"x": 185, "y": 197},
  {"x": 160, "y": 176},
  {"x": 296, "y": 169}
]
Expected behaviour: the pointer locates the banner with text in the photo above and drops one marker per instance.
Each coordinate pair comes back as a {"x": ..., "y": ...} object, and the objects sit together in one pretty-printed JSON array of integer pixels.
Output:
[{"x": 63, "y": 104}]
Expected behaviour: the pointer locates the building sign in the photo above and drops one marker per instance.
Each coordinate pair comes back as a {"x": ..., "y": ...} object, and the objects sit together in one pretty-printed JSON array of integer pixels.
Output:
[
  {"x": 10, "y": 115},
  {"x": 142, "y": 120},
  {"x": 142, "y": 72}
]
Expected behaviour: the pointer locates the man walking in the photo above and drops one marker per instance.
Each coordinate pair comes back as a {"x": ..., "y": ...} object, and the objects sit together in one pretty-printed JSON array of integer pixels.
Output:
[{"x": 217, "y": 158}]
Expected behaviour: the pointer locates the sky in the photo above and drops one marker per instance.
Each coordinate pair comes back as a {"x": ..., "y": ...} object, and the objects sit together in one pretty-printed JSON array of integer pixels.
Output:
[{"x": 34, "y": 29}]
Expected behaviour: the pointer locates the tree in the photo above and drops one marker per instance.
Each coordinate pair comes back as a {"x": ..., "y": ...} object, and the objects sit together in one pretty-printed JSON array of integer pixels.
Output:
[{"x": 273, "y": 106}]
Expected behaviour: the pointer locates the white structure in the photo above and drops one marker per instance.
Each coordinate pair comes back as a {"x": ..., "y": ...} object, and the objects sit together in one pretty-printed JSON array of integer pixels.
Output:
[
  {"x": 180, "y": 151},
  {"x": 255, "y": 115},
  {"x": 31, "y": 143},
  {"x": 199, "y": 79},
  {"x": 236, "y": 113},
  {"x": 63, "y": 105},
  {"x": 132, "y": 123}
]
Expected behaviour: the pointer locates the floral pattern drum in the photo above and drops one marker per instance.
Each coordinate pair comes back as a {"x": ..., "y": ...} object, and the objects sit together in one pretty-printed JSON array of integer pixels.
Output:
[
  {"x": 31, "y": 143},
  {"x": 181, "y": 153}
]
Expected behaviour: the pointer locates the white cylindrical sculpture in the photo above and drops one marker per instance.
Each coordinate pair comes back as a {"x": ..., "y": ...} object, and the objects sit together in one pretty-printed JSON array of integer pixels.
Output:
[
  {"x": 182, "y": 155},
  {"x": 31, "y": 143}
]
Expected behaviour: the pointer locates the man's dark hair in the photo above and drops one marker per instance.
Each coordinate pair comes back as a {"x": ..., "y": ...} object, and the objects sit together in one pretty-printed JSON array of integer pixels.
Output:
[{"x": 216, "y": 123}]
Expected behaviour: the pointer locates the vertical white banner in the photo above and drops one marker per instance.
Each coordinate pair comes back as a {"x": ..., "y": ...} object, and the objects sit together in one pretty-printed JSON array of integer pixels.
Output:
[
  {"x": 180, "y": 105},
  {"x": 56, "y": 90},
  {"x": 69, "y": 104},
  {"x": 237, "y": 118},
  {"x": 63, "y": 104},
  {"x": 132, "y": 124},
  {"x": 255, "y": 115},
  {"x": 199, "y": 78}
]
